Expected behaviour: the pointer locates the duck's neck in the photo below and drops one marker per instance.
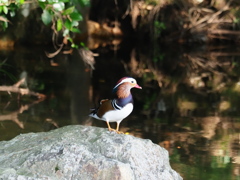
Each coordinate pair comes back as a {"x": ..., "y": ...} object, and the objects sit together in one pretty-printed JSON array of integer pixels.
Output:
[
  {"x": 123, "y": 95},
  {"x": 124, "y": 101}
]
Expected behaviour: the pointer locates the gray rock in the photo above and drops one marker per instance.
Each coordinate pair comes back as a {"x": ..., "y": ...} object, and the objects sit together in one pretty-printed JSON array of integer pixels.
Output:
[{"x": 83, "y": 153}]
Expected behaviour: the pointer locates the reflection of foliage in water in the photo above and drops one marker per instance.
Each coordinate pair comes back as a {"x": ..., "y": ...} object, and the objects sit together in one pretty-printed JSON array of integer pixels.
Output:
[
  {"x": 200, "y": 161},
  {"x": 205, "y": 77},
  {"x": 149, "y": 100},
  {"x": 201, "y": 92},
  {"x": 158, "y": 28},
  {"x": 197, "y": 169}
]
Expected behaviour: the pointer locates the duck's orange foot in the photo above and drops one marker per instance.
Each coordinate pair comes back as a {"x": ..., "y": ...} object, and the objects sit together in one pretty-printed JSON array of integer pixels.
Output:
[
  {"x": 110, "y": 129},
  {"x": 119, "y": 132}
]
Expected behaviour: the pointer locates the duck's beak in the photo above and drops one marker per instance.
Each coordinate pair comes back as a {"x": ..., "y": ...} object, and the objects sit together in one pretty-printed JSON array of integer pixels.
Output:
[{"x": 137, "y": 86}]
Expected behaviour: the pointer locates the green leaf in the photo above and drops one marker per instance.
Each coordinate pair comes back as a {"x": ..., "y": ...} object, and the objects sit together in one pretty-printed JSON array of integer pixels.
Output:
[
  {"x": 11, "y": 76},
  {"x": 76, "y": 30},
  {"x": 46, "y": 17},
  {"x": 20, "y": 1},
  {"x": 5, "y": 25},
  {"x": 59, "y": 6},
  {"x": 82, "y": 44},
  {"x": 68, "y": 24},
  {"x": 59, "y": 25},
  {"x": 70, "y": 39},
  {"x": 75, "y": 16},
  {"x": 5, "y": 9},
  {"x": 69, "y": 10},
  {"x": 65, "y": 1},
  {"x": 74, "y": 45},
  {"x": 41, "y": 4},
  {"x": 83, "y": 2}
]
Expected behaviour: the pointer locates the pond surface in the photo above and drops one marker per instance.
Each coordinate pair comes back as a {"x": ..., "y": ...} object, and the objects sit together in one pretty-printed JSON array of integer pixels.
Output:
[{"x": 189, "y": 103}]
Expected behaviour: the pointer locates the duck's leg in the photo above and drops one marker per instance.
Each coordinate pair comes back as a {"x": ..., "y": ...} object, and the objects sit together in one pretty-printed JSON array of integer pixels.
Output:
[
  {"x": 117, "y": 129},
  {"x": 109, "y": 127}
]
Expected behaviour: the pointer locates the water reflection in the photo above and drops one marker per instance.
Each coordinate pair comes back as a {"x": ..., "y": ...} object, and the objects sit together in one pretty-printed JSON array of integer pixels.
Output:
[
  {"x": 64, "y": 79},
  {"x": 189, "y": 105},
  {"x": 189, "y": 102}
]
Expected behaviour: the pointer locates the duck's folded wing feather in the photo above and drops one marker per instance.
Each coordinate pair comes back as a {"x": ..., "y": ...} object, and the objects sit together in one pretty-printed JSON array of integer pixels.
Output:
[{"x": 106, "y": 105}]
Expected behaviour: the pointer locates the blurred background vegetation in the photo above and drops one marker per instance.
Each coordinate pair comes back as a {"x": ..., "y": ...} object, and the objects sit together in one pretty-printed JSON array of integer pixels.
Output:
[{"x": 59, "y": 21}]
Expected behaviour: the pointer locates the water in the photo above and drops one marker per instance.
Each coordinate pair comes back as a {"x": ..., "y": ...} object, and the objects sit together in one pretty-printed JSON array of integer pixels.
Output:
[{"x": 189, "y": 103}]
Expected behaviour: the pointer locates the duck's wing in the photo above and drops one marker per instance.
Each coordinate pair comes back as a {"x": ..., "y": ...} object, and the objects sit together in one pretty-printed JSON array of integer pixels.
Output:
[{"x": 105, "y": 106}]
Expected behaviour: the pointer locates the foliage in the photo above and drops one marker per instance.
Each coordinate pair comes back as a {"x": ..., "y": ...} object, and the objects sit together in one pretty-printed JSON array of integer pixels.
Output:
[
  {"x": 8, "y": 8},
  {"x": 159, "y": 27},
  {"x": 4, "y": 72},
  {"x": 63, "y": 14}
]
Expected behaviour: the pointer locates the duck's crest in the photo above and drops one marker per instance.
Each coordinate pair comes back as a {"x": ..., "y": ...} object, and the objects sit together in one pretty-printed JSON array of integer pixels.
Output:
[{"x": 122, "y": 80}]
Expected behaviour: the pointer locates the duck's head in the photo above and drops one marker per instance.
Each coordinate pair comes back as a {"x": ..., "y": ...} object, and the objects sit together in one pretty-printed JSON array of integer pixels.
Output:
[
  {"x": 128, "y": 81},
  {"x": 124, "y": 85}
]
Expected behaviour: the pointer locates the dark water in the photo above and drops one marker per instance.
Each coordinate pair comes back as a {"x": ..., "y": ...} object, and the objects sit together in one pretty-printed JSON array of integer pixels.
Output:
[{"x": 189, "y": 103}]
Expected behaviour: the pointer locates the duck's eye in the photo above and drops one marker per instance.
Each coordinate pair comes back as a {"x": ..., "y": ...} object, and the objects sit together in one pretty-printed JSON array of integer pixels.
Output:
[{"x": 132, "y": 81}]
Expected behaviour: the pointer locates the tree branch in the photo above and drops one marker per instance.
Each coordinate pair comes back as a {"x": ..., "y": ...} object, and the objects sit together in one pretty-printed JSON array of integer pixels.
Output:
[{"x": 23, "y": 91}]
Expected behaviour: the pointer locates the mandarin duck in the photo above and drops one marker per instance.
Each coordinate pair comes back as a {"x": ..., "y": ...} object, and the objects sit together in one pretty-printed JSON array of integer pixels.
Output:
[{"x": 120, "y": 107}]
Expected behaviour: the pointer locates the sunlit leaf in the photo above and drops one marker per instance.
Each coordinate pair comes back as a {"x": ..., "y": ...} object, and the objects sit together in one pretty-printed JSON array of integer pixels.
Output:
[
  {"x": 69, "y": 10},
  {"x": 74, "y": 45},
  {"x": 4, "y": 1},
  {"x": 66, "y": 32},
  {"x": 75, "y": 23},
  {"x": 5, "y": 9},
  {"x": 76, "y": 16},
  {"x": 59, "y": 6},
  {"x": 46, "y": 17},
  {"x": 59, "y": 25},
  {"x": 21, "y": 1},
  {"x": 12, "y": 13}
]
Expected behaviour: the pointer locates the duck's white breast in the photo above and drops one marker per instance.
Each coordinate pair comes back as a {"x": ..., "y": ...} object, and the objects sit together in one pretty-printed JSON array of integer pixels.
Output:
[{"x": 118, "y": 115}]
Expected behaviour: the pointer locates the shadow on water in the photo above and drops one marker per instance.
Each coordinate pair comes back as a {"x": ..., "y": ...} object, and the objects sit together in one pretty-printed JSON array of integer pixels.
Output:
[{"x": 189, "y": 103}]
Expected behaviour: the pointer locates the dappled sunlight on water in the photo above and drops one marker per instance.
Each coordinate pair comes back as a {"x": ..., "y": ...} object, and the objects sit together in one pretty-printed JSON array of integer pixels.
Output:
[{"x": 189, "y": 103}]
